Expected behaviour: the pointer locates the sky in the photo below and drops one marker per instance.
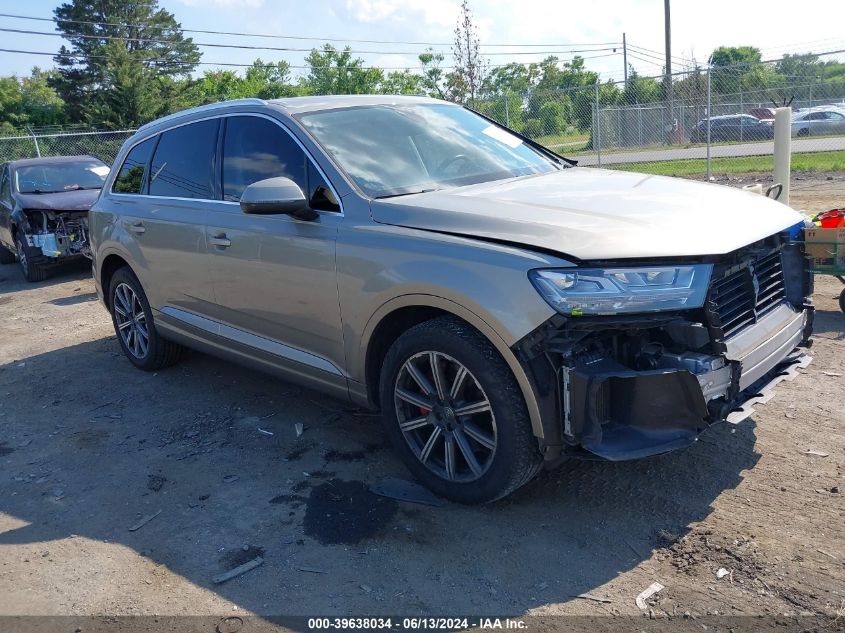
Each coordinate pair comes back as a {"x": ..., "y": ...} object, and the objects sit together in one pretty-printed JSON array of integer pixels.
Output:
[{"x": 530, "y": 28}]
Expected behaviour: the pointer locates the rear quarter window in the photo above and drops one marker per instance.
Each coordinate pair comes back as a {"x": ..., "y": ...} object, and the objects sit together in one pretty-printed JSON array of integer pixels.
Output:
[{"x": 130, "y": 178}]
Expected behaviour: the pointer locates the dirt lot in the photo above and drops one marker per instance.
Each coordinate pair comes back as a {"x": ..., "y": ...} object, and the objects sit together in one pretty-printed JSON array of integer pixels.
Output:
[{"x": 90, "y": 446}]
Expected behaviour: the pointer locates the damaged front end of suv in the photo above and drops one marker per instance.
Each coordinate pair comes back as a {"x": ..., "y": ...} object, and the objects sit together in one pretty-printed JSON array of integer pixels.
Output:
[{"x": 643, "y": 357}]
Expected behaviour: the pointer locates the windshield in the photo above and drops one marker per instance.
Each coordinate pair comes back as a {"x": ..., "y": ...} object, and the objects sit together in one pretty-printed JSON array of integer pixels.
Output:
[
  {"x": 392, "y": 150},
  {"x": 58, "y": 177}
]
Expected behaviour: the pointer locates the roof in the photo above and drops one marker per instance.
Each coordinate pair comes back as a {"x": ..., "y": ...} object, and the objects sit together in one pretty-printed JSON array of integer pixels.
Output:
[
  {"x": 298, "y": 105},
  {"x": 53, "y": 160},
  {"x": 294, "y": 105}
]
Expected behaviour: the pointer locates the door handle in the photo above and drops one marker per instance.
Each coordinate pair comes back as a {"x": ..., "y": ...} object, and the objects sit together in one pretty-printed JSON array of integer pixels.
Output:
[
  {"x": 220, "y": 240},
  {"x": 136, "y": 227}
]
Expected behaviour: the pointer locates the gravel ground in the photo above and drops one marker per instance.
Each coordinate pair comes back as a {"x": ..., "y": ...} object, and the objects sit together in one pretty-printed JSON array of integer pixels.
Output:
[{"x": 90, "y": 447}]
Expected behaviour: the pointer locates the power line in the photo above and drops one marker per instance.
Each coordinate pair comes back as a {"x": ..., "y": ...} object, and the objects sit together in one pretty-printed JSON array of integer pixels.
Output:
[
  {"x": 657, "y": 54},
  {"x": 177, "y": 64},
  {"x": 294, "y": 37},
  {"x": 272, "y": 48}
]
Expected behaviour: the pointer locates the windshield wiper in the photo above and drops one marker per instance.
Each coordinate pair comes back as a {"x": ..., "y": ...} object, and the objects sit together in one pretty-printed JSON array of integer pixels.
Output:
[{"x": 407, "y": 193}]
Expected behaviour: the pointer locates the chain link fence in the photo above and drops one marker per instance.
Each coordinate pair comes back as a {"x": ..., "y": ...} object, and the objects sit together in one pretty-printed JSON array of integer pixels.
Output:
[
  {"x": 721, "y": 118},
  {"x": 34, "y": 143}
]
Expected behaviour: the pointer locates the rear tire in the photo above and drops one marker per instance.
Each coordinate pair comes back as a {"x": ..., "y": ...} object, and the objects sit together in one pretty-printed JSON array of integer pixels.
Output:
[
  {"x": 31, "y": 265},
  {"x": 133, "y": 323},
  {"x": 493, "y": 449}
]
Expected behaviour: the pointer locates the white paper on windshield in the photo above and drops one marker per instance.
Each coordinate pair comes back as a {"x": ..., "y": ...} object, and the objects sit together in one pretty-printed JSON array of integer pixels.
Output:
[
  {"x": 502, "y": 136},
  {"x": 100, "y": 170}
]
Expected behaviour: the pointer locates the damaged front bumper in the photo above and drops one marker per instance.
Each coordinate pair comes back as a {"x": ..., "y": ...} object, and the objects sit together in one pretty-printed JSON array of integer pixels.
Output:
[{"x": 623, "y": 388}]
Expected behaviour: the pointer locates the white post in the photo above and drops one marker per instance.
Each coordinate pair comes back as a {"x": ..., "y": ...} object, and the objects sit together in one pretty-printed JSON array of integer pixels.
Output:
[
  {"x": 783, "y": 151},
  {"x": 597, "y": 127}
]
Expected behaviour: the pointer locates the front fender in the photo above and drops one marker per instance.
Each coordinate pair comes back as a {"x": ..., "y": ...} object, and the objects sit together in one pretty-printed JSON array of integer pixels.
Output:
[{"x": 471, "y": 317}]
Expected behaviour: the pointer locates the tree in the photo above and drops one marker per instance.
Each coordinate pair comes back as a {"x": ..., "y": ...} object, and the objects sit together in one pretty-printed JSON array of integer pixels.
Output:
[
  {"x": 130, "y": 49},
  {"x": 470, "y": 69},
  {"x": 401, "y": 82},
  {"x": 336, "y": 72},
  {"x": 434, "y": 80},
  {"x": 513, "y": 78},
  {"x": 29, "y": 101},
  {"x": 641, "y": 89}
]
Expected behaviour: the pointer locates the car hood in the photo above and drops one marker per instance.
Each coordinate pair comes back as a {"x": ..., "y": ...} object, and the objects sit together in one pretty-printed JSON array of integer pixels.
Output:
[
  {"x": 80, "y": 200},
  {"x": 592, "y": 214}
]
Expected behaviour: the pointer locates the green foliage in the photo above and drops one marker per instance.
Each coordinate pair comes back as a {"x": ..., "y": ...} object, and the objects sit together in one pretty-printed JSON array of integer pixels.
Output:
[
  {"x": 534, "y": 128},
  {"x": 121, "y": 61},
  {"x": 641, "y": 90},
  {"x": 553, "y": 117},
  {"x": 29, "y": 101},
  {"x": 337, "y": 72},
  {"x": 402, "y": 82}
]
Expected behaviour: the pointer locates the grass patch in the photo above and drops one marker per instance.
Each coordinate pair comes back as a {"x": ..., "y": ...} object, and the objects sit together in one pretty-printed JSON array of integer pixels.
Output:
[
  {"x": 810, "y": 161},
  {"x": 572, "y": 139}
]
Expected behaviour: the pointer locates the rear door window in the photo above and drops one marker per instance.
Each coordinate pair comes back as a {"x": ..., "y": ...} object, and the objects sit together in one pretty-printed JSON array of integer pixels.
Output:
[
  {"x": 254, "y": 149},
  {"x": 130, "y": 178},
  {"x": 183, "y": 164}
]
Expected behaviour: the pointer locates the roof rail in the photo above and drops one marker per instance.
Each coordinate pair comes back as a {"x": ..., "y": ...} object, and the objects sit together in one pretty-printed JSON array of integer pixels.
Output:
[{"x": 210, "y": 107}]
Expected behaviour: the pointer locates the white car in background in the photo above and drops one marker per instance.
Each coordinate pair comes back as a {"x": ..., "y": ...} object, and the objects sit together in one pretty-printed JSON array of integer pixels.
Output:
[{"x": 819, "y": 121}]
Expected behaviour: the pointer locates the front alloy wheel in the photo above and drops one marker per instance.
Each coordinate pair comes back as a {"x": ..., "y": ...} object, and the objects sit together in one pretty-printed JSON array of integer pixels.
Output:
[
  {"x": 445, "y": 416},
  {"x": 455, "y": 413}
]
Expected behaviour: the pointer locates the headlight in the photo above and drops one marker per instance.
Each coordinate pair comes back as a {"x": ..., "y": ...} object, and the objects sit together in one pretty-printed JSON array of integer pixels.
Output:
[{"x": 580, "y": 291}]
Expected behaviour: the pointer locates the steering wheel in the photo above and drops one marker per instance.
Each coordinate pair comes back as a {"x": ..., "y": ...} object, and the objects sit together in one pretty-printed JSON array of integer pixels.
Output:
[{"x": 442, "y": 167}]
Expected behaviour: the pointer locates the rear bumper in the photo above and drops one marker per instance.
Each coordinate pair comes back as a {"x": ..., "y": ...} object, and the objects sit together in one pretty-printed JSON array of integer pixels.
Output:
[{"x": 616, "y": 413}]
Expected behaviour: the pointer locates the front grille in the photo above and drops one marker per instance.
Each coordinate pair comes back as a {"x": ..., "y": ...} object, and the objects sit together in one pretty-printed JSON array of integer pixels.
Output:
[{"x": 745, "y": 293}]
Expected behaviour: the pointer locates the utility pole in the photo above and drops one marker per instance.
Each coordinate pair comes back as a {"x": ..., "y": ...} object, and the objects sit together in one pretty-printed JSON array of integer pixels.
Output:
[
  {"x": 668, "y": 27},
  {"x": 625, "y": 58}
]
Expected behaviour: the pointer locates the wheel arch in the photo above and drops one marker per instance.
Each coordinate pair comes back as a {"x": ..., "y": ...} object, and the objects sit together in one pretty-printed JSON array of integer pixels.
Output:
[
  {"x": 401, "y": 313},
  {"x": 110, "y": 265}
]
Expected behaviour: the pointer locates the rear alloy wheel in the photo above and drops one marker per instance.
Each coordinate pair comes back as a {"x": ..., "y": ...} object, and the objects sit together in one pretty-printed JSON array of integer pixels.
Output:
[
  {"x": 30, "y": 266},
  {"x": 133, "y": 324},
  {"x": 455, "y": 413}
]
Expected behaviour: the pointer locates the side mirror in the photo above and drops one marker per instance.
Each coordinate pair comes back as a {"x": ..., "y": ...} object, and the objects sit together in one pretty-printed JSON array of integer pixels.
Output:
[{"x": 276, "y": 196}]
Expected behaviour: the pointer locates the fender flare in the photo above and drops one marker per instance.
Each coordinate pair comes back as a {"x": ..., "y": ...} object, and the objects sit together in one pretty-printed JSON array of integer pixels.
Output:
[{"x": 475, "y": 320}]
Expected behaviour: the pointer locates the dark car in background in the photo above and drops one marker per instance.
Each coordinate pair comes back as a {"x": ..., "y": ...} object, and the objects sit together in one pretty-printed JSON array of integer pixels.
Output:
[
  {"x": 732, "y": 127},
  {"x": 44, "y": 206}
]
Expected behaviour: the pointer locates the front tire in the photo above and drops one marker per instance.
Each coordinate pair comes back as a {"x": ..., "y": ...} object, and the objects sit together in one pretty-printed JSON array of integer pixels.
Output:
[
  {"x": 455, "y": 414},
  {"x": 7, "y": 256},
  {"x": 133, "y": 323},
  {"x": 31, "y": 266}
]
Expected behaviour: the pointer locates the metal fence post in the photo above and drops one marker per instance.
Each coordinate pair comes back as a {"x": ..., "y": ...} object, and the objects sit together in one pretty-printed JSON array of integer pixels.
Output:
[
  {"x": 597, "y": 128},
  {"x": 507, "y": 114},
  {"x": 709, "y": 116},
  {"x": 35, "y": 140}
]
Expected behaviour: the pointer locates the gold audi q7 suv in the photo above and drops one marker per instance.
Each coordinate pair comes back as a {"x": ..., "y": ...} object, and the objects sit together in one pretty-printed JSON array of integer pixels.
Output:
[{"x": 502, "y": 307}]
